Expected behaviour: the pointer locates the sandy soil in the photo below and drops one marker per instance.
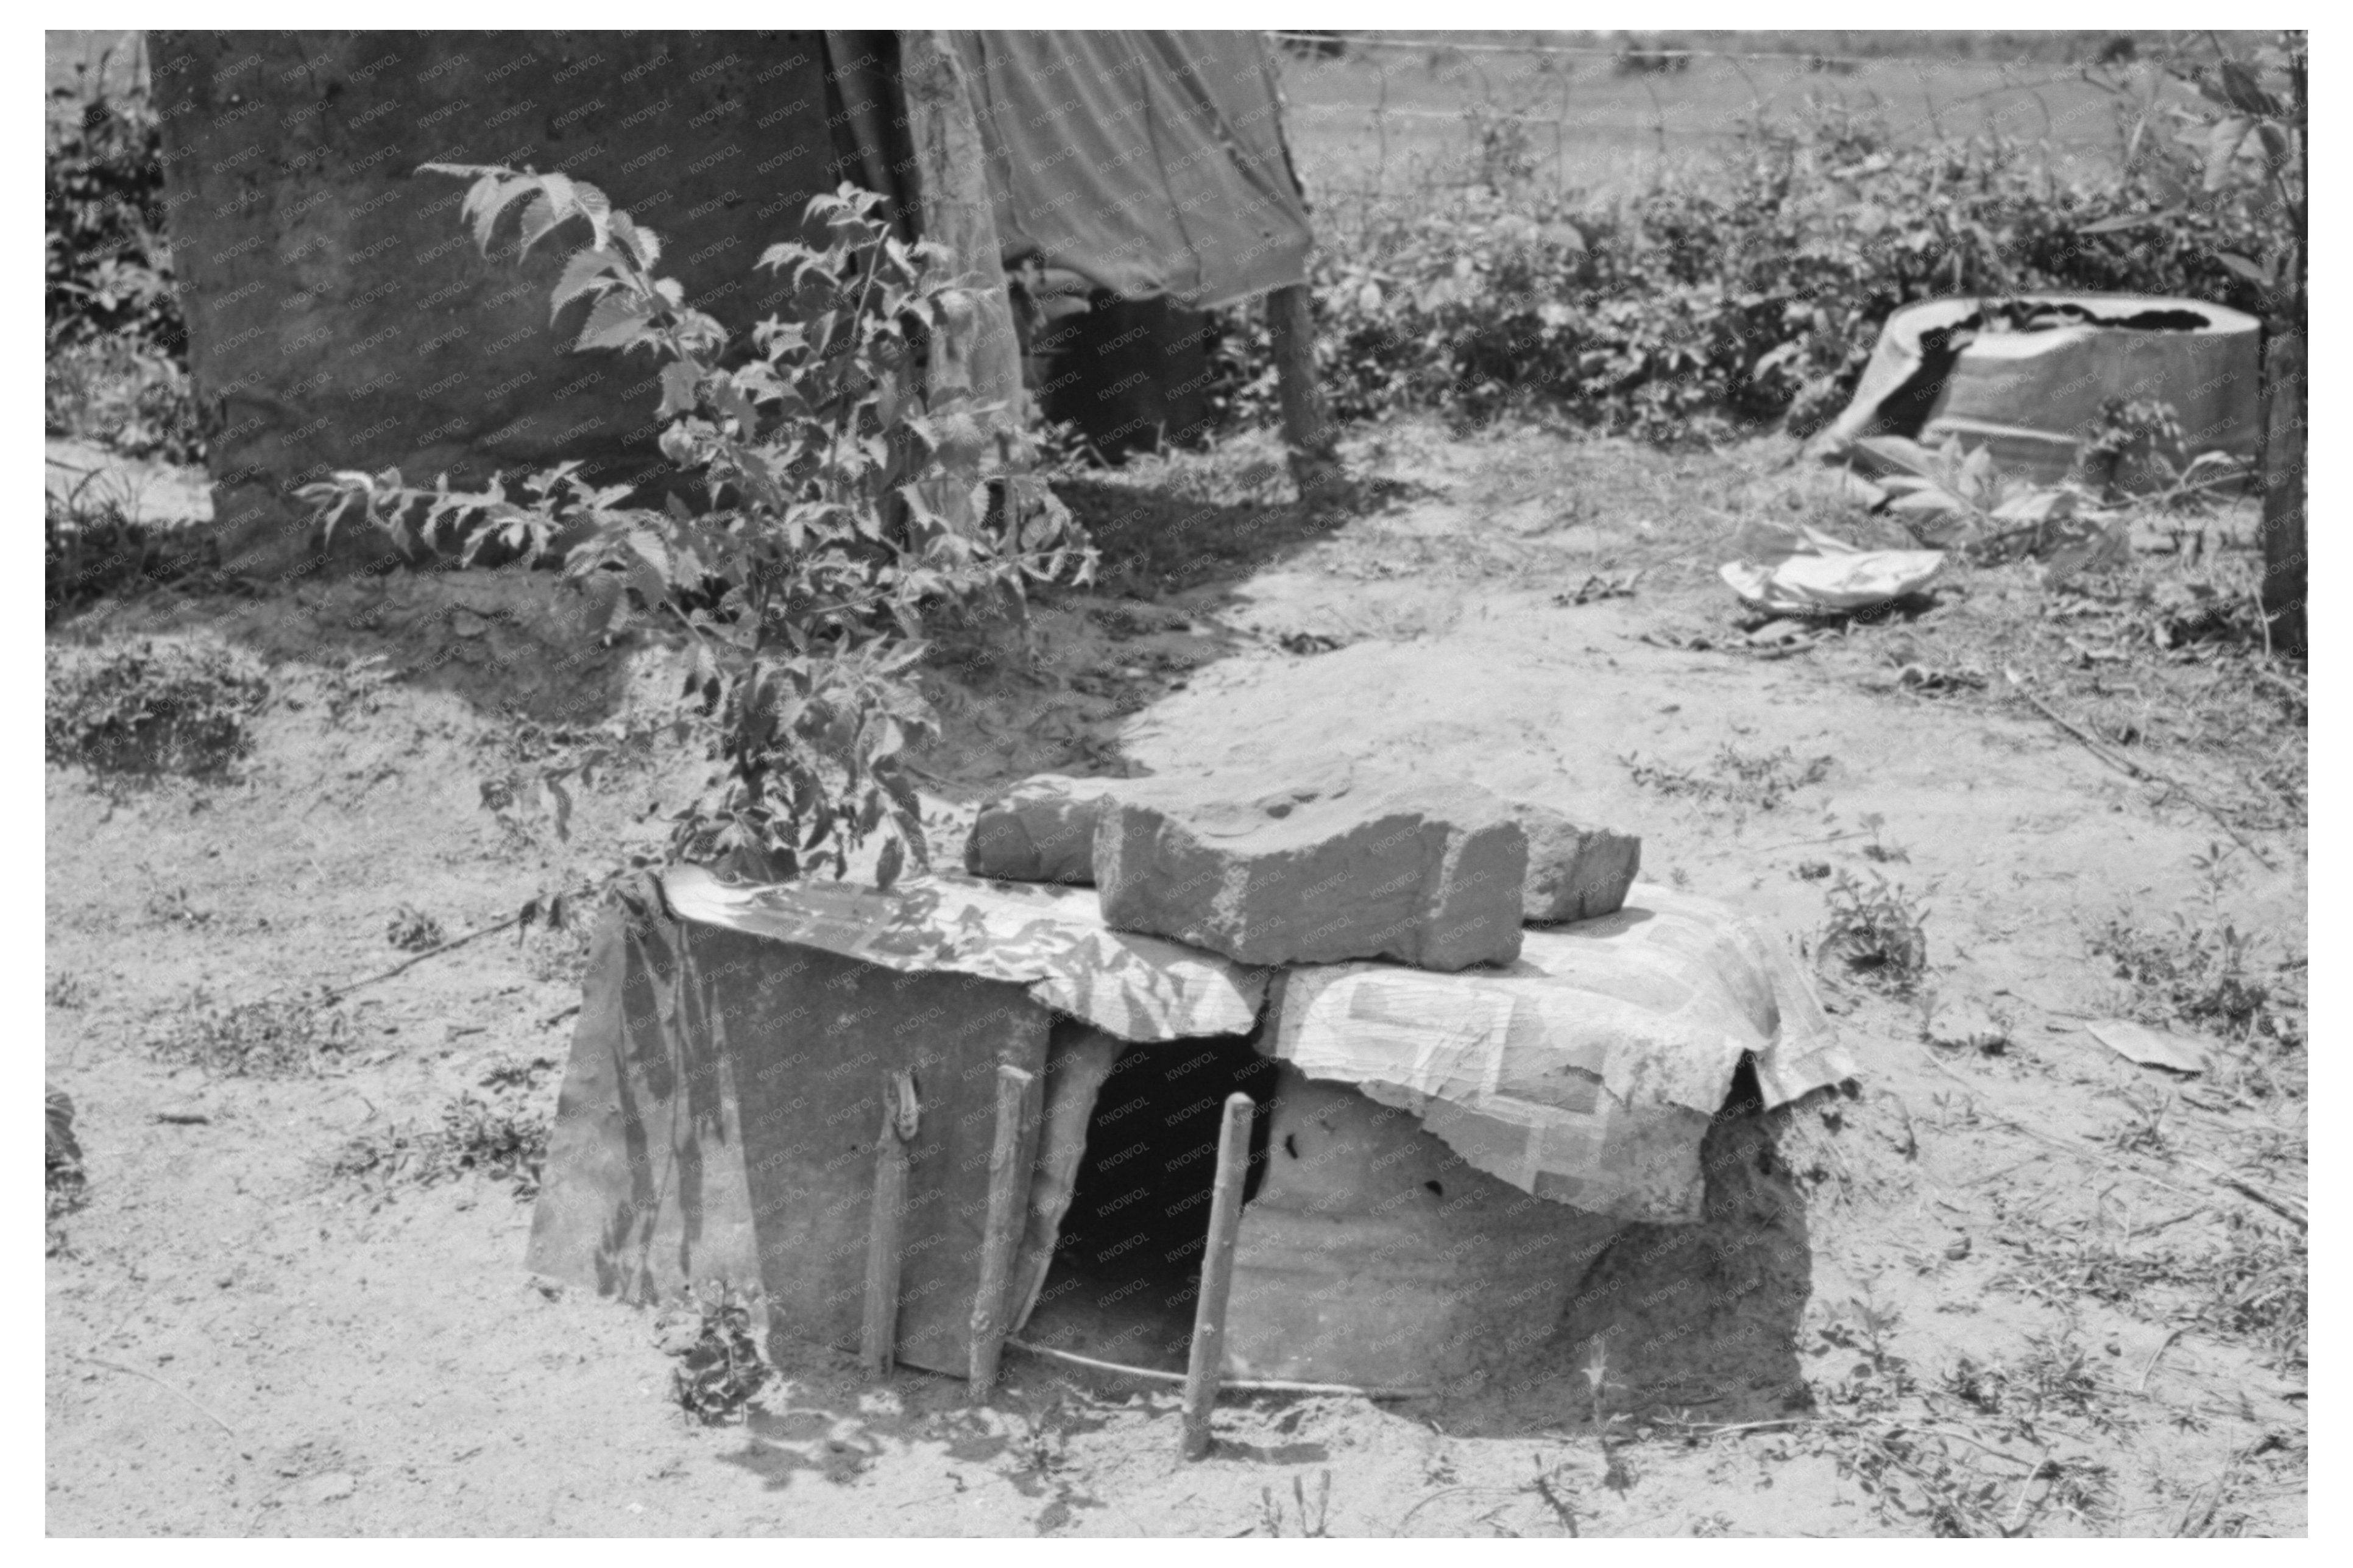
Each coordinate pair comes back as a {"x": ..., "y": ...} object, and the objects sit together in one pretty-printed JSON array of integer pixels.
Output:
[{"x": 1975, "y": 1288}]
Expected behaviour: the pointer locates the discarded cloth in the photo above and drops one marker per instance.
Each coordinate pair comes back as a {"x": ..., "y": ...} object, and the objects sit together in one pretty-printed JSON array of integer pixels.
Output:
[{"x": 1800, "y": 571}]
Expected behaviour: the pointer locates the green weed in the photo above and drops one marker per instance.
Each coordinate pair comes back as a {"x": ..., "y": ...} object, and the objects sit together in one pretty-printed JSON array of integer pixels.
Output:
[
  {"x": 411, "y": 929},
  {"x": 153, "y": 706},
  {"x": 720, "y": 1369},
  {"x": 274, "y": 1037},
  {"x": 1878, "y": 932},
  {"x": 495, "y": 1138}
]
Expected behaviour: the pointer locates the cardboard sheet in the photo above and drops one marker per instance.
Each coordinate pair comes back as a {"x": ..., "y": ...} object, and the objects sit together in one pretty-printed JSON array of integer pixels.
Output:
[{"x": 1587, "y": 1072}]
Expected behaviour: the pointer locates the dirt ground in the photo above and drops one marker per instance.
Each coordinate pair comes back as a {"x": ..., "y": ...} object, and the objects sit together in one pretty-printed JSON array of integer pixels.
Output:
[{"x": 2022, "y": 1285}]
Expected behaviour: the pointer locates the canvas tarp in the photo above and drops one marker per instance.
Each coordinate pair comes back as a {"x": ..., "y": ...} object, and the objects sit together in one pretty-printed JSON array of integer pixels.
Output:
[
  {"x": 1148, "y": 163},
  {"x": 1588, "y": 1070}
]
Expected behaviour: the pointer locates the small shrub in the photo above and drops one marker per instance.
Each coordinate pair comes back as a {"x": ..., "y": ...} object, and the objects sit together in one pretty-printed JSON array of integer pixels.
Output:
[
  {"x": 155, "y": 706},
  {"x": 68, "y": 992},
  {"x": 720, "y": 1369},
  {"x": 91, "y": 547},
  {"x": 117, "y": 346},
  {"x": 2204, "y": 975},
  {"x": 1877, "y": 932},
  {"x": 274, "y": 1037},
  {"x": 67, "y": 1185},
  {"x": 411, "y": 929},
  {"x": 844, "y": 496},
  {"x": 496, "y": 1137}
]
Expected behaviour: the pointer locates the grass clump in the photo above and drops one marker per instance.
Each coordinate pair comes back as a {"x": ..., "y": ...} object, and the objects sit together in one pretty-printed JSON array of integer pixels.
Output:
[
  {"x": 153, "y": 707},
  {"x": 273, "y": 1038},
  {"x": 1763, "y": 780}
]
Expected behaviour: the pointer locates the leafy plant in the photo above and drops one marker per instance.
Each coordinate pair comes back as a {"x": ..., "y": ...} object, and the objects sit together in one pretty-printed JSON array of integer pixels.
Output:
[
  {"x": 2203, "y": 973},
  {"x": 1706, "y": 305},
  {"x": 720, "y": 1369},
  {"x": 117, "y": 346},
  {"x": 835, "y": 497},
  {"x": 273, "y": 1038},
  {"x": 1877, "y": 932},
  {"x": 157, "y": 705},
  {"x": 498, "y": 1138},
  {"x": 411, "y": 929}
]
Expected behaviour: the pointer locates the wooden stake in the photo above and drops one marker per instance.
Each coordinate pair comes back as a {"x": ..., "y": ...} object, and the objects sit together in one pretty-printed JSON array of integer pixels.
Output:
[
  {"x": 1290, "y": 327},
  {"x": 1008, "y": 1191},
  {"x": 878, "y": 1340},
  {"x": 1208, "y": 1356}
]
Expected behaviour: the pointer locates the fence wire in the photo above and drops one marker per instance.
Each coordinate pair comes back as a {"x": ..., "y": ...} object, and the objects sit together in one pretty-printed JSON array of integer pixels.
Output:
[{"x": 1373, "y": 118}]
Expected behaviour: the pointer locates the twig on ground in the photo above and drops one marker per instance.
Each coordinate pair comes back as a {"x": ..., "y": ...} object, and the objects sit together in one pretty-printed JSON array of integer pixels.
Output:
[
  {"x": 168, "y": 1387},
  {"x": 337, "y": 993},
  {"x": 2154, "y": 1357},
  {"x": 2285, "y": 1207},
  {"x": 2135, "y": 770}
]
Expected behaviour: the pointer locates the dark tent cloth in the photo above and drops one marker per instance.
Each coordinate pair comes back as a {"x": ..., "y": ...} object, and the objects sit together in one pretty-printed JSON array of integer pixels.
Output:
[{"x": 1148, "y": 163}]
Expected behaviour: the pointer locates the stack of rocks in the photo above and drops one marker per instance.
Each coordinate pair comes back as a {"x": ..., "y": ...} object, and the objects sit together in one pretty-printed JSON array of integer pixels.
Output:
[{"x": 1345, "y": 864}]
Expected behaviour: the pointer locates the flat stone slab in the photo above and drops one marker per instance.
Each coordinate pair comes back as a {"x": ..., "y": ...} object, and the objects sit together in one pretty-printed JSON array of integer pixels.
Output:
[
  {"x": 1339, "y": 867},
  {"x": 1574, "y": 873}
]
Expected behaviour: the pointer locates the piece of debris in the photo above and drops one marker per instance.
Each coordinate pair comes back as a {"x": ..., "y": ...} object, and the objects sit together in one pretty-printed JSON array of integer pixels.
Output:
[
  {"x": 1926, "y": 680},
  {"x": 1574, "y": 873},
  {"x": 2026, "y": 376},
  {"x": 1797, "y": 570},
  {"x": 1968, "y": 1025},
  {"x": 1812, "y": 870},
  {"x": 333, "y": 1487},
  {"x": 1339, "y": 867},
  {"x": 1598, "y": 586},
  {"x": 2150, "y": 1048},
  {"x": 1306, "y": 643}
]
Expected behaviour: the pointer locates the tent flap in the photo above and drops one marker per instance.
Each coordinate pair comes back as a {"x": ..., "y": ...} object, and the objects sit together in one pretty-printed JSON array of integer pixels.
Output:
[{"x": 1148, "y": 163}]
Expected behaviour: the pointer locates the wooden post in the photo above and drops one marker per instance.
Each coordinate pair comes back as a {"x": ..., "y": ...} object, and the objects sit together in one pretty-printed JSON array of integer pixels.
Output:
[
  {"x": 2284, "y": 415},
  {"x": 1008, "y": 1191},
  {"x": 975, "y": 350},
  {"x": 1315, "y": 456},
  {"x": 1207, "y": 1360},
  {"x": 878, "y": 1340}
]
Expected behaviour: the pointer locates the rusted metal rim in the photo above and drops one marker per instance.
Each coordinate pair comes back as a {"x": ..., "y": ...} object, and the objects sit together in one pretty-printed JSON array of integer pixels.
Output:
[{"x": 1234, "y": 1385}]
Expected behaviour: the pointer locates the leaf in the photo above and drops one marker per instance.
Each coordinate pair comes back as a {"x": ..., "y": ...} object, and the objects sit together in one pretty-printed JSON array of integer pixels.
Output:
[
  {"x": 2223, "y": 145},
  {"x": 678, "y": 383},
  {"x": 563, "y": 799},
  {"x": 490, "y": 196},
  {"x": 616, "y": 322},
  {"x": 539, "y": 216},
  {"x": 888, "y": 865},
  {"x": 2245, "y": 268},
  {"x": 2244, "y": 92}
]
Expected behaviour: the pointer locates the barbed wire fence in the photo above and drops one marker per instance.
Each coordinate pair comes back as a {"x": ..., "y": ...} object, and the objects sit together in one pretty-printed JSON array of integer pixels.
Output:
[{"x": 1373, "y": 118}]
